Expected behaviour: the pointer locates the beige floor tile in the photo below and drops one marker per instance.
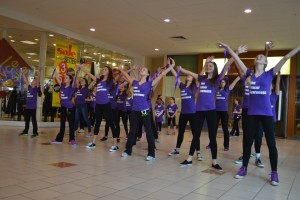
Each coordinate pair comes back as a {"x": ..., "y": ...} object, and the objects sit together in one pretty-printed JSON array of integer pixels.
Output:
[
  {"x": 77, "y": 196},
  {"x": 43, "y": 194},
  {"x": 132, "y": 193},
  {"x": 35, "y": 185},
  {"x": 99, "y": 191},
  {"x": 162, "y": 195},
  {"x": 66, "y": 188},
  {"x": 12, "y": 190},
  {"x": 18, "y": 197}
]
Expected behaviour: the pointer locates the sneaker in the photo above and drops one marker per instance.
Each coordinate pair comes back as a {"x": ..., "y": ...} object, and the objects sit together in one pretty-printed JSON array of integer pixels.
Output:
[
  {"x": 174, "y": 153},
  {"x": 91, "y": 146},
  {"x": 199, "y": 157},
  {"x": 114, "y": 148},
  {"x": 118, "y": 140},
  {"x": 241, "y": 173},
  {"x": 239, "y": 161},
  {"x": 150, "y": 158},
  {"x": 157, "y": 140},
  {"x": 73, "y": 143},
  {"x": 259, "y": 163},
  {"x": 88, "y": 135},
  {"x": 124, "y": 154},
  {"x": 34, "y": 136},
  {"x": 274, "y": 178},
  {"x": 23, "y": 134},
  {"x": 103, "y": 139},
  {"x": 217, "y": 167},
  {"x": 81, "y": 131},
  {"x": 55, "y": 142},
  {"x": 207, "y": 147},
  {"x": 226, "y": 149},
  {"x": 252, "y": 155},
  {"x": 186, "y": 163},
  {"x": 231, "y": 134}
]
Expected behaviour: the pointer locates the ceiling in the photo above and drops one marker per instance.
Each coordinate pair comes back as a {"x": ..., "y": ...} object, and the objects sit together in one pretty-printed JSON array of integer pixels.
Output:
[{"x": 137, "y": 25}]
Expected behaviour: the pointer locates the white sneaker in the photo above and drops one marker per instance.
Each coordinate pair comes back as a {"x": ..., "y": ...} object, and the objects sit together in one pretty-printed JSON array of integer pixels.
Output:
[
  {"x": 91, "y": 146},
  {"x": 199, "y": 157},
  {"x": 124, "y": 154},
  {"x": 88, "y": 135},
  {"x": 114, "y": 148},
  {"x": 149, "y": 158},
  {"x": 81, "y": 131},
  {"x": 55, "y": 142}
]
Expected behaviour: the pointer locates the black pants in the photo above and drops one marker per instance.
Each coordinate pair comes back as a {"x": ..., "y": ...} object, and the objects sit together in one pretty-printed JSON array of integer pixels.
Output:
[
  {"x": 158, "y": 126},
  {"x": 64, "y": 114},
  {"x": 145, "y": 118},
  {"x": 223, "y": 115},
  {"x": 102, "y": 109},
  {"x": 211, "y": 119},
  {"x": 30, "y": 113},
  {"x": 235, "y": 128},
  {"x": 123, "y": 115},
  {"x": 92, "y": 115},
  {"x": 153, "y": 127},
  {"x": 268, "y": 127},
  {"x": 173, "y": 120},
  {"x": 114, "y": 116},
  {"x": 183, "y": 120}
]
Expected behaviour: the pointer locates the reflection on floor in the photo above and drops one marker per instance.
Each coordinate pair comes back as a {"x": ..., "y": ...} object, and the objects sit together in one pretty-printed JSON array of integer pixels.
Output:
[{"x": 27, "y": 170}]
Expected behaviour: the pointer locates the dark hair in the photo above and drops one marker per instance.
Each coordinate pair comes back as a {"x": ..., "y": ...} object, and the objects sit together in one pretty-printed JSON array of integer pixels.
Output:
[
  {"x": 226, "y": 79},
  {"x": 86, "y": 82},
  {"x": 238, "y": 100},
  {"x": 147, "y": 78},
  {"x": 71, "y": 79},
  {"x": 215, "y": 74},
  {"x": 192, "y": 86},
  {"x": 172, "y": 99},
  {"x": 109, "y": 76}
]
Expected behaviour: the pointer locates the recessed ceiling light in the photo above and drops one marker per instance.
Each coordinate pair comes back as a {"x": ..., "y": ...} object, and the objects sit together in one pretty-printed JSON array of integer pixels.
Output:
[
  {"x": 167, "y": 20},
  {"x": 92, "y": 29},
  {"x": 95, "y": 53},
  {"x": 89, "y": 57},
  {"x": 54, "y": 45},
  {"x": 248, "y": 10},
  {"x": 84, "y": 50},
  {"x": 103, "y": 56},
  {"x": 31, "y": 54},
  {"x": 35, "y": 60},
  {"x": 51, "y": 35},
  {"x": 12, "y": 40},
  {"x": 10, "y": 36},
  {"x": 114, "y": 64},
  {"x": 28, "y": 42},
  {"x": 28, "y": 57},
  {"x": 36, "y": 39},
  {"x": 156, "y": 49},
  {"x": 98, "y": 53},
  {"x": 107, "y": 62}
]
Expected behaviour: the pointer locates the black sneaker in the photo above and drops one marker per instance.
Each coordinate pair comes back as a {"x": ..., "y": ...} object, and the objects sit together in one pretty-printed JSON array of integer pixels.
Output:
[
  {"x": 118, "y": 140},
  {"x": 217, "y": 167},
  {"x": 174, "y": 153},
  {"x": 34, "y": 136},
  {"x": 90, "y": 146},
  {"x": 103, "y": 139},
  {"x": 259, "y": 163},
  {"x": 23, "y": 134},
  {"x": 186, "y": 163}
]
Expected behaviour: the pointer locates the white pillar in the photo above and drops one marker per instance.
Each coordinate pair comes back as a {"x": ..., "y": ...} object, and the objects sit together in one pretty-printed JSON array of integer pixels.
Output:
[
  {"x": 42, "y": 64},
  {"x": 4, "y": 34}
]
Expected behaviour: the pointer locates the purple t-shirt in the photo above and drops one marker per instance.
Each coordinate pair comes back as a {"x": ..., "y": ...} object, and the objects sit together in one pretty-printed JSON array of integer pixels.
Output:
[
  {"x": 81, "y": 95},
  {"x": 187, "y": 99},
  {"x": 140, "y": 95},
  {"x": 129, "y": 102},
  {"x": 121, "y": 102},
  {"x": 273, "y": 99},
  {"x": 102, "y": 91},
  {"x": 171, "y": 109},
  {"x": 259, "y": 98},
  {"x": 222, "y": 99},
  {"x": 31, "y": 97},
  {"x": 92, "y": 103},
  {"x": 207, "y": 92},
  {"x": 237, "y": 109},
  {"x": 246, "y": 91},
  {"x": 158, "y": 110},
  {"x": 112, "y": 97},
  {"x": 66, "y": 94}
]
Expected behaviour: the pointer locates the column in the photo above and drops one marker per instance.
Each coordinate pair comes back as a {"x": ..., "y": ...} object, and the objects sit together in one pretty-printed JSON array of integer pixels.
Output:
[{"x": 42, "y": 64}]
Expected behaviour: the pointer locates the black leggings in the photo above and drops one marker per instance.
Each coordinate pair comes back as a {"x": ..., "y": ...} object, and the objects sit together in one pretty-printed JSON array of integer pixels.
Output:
[
  {"x": 223, "y": 115},
  {"x": 268, "y": 127},
  {"x": 64, "y": 114},
  {"x": 183, "y": 120},
  {"x": 145, "y": 118},
  {"x": 158, "y": 126},
  {"x": 153, "y": 127},
  {"x": 235, "y": 128},
  {"x": 30, "y": 113},
  {"x": 257, "y": 137},
  {"x": 123, "y": 115},
  {"x": 114, "y": 115},
  {"x": 92, "y": 115},
  {"x": 102, "y": 109},
  {"x": 173, "y": 120},
  {"x": 211, "y": 119}
]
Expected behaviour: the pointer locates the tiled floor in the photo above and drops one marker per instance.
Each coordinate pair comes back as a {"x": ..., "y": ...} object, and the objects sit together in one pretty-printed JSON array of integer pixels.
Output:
[{"x": 26, "y": 171}]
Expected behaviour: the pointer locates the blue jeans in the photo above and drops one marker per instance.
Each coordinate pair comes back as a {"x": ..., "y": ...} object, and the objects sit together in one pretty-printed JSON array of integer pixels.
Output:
[{"x": 82, "y": 108}]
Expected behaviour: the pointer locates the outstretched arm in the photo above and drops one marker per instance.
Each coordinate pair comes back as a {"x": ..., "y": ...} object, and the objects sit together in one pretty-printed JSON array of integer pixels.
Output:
[
  {"x": 279, "y": 65},
  {"x": 159, "y": 77},
  {"x": 57, "y": 78},
  {"x": 89, "y": 74},
  {"x": 75, "y": 78},
  {"x": 236, "y": 58},
  {"x": 268, "y": 46},
  {"x": 25, "y": 77},
  {"x": 128, "y": 78},
  {"x": 175, "y": 74},
  {"x": 231, "y": 86},
  {"x": 277, "y": 87}
]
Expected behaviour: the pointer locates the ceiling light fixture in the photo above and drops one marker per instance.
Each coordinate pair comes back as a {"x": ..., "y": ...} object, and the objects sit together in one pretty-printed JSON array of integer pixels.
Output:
[
  {"x": 10, "y": 36},
  {"x": 167, "y": 20},
  {"x": 54, "y": 45},
  {"x": 28, "y": 42},
  {"x": 92, "y": 29},
  {"x": 51, "y": 35},
  {"x": 156, "y": 49},
  {"x": 36, "y": 39},
  {"x": 12, "y": 40},
  {"x": 103, "y": 56},
  {"x": 247, "y": 11},
  {"x": 95, "y": 53},
  {"x": 28, "y": 57},
  {"x": 114, "y": 64},
  {"x": 31, "y": 54},
  {"x": 35, "y": 60}
]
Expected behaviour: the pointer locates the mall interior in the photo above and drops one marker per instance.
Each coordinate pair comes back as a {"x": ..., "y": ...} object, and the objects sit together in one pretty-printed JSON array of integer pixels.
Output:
[{"x": 139, "y": 32}]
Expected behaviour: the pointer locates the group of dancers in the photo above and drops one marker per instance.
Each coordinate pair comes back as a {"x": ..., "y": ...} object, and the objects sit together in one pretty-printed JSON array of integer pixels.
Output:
[{"x": 204, "y": 96}]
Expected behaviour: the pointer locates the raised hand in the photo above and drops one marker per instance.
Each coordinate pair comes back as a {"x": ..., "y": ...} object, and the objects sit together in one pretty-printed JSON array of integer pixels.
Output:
[
  {"x": 178, "y": 68},
  {"x": 135, "y": 67},
  {"x": 172, "y": 61},
  {"x": 210, "y": 58},
  {"x": 222, "y": 45},
  {"x": 269, "y": 45},
  {"x": 242, "y": 49}
]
